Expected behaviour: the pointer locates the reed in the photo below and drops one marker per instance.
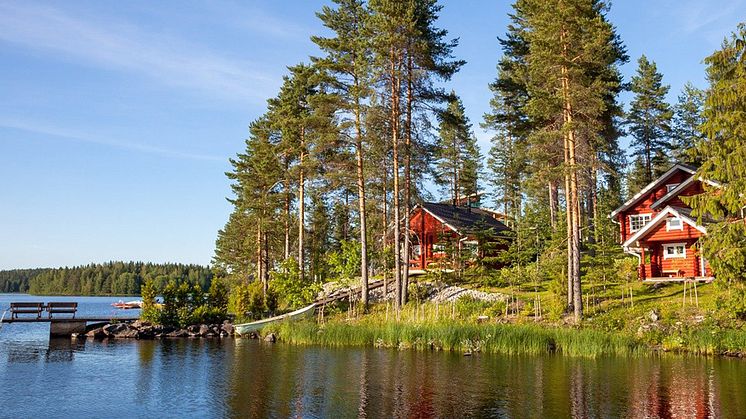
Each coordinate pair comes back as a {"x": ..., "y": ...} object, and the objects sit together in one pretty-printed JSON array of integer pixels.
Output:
[{"x": 460, "y": 337}]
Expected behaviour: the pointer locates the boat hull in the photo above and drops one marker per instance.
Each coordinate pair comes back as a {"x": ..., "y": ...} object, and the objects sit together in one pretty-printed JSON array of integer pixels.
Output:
[{"x": 246, "y": 328}]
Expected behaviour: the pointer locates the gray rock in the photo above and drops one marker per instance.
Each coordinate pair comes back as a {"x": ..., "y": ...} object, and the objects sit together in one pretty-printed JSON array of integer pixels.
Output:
[
  {"x": 137, "y": 324},
  {"x": 97, "y": 333},
  {"x": 204, "y": 330},
  {"x": 227, "y": 328},
  {"x": 111, "y": 330},
  {"x": 653, "y": 316},
  {"x": 270, "y": 338},
  {"x": 181, "y": 333}
]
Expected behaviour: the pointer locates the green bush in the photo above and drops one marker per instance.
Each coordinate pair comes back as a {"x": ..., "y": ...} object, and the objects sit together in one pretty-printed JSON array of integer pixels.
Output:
[{"x": 290, "y": 288}]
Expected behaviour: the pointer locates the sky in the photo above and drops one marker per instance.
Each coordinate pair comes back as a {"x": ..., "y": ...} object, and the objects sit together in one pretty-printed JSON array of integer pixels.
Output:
[{"x": 117, "y": 119}]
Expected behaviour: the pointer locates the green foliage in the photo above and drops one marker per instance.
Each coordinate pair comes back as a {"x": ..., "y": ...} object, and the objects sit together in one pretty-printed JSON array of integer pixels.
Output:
[
  {"x": 345, "y": 263},
  {"x": 291, "y": 289},
  {"x": 248, "y": 300},
  {"x": 150, "y": 310},
  {"x": 186, "y": 304},
  {"x": 723, "y": 155}
]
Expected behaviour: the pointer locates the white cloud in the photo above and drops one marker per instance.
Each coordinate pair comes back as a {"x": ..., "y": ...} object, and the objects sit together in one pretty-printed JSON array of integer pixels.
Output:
[
  {"x": 125, "y": 47},
  {"x": 52, "y": 132}
]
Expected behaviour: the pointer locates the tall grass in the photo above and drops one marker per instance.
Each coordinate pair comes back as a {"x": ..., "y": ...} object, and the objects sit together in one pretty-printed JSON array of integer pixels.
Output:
[{"x": 460, "y": 337}]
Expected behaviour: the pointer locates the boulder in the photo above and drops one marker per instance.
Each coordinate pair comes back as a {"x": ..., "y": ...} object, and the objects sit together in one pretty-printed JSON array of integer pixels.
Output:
[
  {"x": 270, "y": 338},
  {"x": 227, "y": 328},
  {"x": 138, "y": 324},
  {"x": 180, "y": 333},
  {"x": 97, "y": 333},
  {"x": 111, "y": 330},
  {"x": 204, "y": 330},
  {"x": 653, "y": 316}
]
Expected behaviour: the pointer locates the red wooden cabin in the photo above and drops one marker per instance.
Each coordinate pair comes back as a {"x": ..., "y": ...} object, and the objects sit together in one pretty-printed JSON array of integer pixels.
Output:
[
  {"x": 436, "y": 226},
  {"x": 657, "y": 227}
]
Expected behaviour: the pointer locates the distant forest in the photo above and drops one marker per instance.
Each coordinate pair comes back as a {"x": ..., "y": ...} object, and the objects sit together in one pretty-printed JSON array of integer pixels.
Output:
[{"x": 111, "y": 278}]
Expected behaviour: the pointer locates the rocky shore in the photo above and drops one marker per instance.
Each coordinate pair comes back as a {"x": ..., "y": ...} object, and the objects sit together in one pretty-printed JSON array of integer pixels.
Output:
[{"x": 144, "y": 330}]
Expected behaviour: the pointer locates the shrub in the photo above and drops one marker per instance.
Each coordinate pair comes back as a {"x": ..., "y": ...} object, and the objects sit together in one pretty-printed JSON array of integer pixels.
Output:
[{"x": 290, "y": 288}]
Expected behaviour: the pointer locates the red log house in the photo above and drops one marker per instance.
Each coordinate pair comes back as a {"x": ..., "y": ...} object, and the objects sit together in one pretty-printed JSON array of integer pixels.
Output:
[
  {"x": 658, "y": 227},
  {"x": 435, "y": 226}
]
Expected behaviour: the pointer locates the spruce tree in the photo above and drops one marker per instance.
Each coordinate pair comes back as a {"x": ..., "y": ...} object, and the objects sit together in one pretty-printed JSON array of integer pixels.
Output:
[
  {"x": 649, "y": 119},
  {"x": 457, "y": 155},
  {"x": 687, "y": 121},
  {"x": 723, "y": 155}
]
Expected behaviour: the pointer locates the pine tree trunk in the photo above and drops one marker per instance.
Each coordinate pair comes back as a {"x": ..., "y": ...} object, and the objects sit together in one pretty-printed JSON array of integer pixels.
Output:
[
  {"x": 361, "y": 209},
  {"x": 301, "y": 207},
  {"x": 573, "y": 201},
  {"x": 395, "y": 86},
  {"x": 259, "y": 264},
  {"x": 553, "y": 204},
  {"x": 407, "y": 182},
  {"x": 286, "y": 252}
]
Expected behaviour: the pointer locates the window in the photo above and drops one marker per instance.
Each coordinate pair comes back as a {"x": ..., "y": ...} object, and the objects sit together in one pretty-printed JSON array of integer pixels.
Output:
[
  {"x": 671, "y": 187},
  {"x": 674, "y": 223},
  {"x": 636, "y": 222},
  {"x": 439, "y": 247},
  {"x": 674, "y": 250}
]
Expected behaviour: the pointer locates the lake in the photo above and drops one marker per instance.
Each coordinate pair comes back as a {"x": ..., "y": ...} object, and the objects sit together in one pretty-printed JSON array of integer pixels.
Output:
[{"x": 40, "y": 377}]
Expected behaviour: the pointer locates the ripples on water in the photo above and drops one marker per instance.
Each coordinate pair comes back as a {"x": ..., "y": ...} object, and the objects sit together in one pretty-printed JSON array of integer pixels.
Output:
[{"x": 242, "y": 378}]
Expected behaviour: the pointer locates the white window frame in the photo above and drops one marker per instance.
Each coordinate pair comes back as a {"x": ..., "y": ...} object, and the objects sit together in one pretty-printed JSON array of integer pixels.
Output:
[
  {"x": 669, "y": 227},
  {"x": 675, "y": 254},
  {"x": 671, "y": 186},
  {"x": 645, "y": 217}
]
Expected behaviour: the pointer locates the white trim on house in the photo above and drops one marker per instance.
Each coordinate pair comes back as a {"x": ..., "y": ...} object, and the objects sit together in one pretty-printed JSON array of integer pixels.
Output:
[
  {"x": 649, "y": 216},
  {"x": 671, "y": 186},
  {"x": 654, "y": 184},
  {"x": 669, "y": 210},
  {"x": 670, "y": 227},
  {"x": 674, "y": 254},
  {"x": 680, "y": 188}
]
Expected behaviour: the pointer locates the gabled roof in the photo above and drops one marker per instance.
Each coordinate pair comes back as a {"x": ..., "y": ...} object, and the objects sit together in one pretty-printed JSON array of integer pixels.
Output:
[
  {"x": 654, "y": 184},
  {"x": 463, "y": 220},
  {"x": 685, "y": 214},
  {"x": 677, "y": 190}
]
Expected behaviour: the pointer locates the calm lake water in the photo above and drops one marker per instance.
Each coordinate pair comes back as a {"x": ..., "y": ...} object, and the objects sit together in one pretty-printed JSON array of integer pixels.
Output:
[{"x": 40, "y": 377}]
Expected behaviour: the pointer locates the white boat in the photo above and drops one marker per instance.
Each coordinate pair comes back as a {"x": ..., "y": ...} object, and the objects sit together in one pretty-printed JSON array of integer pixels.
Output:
[
  {"x": 246, "y": 328},
  {"x": 128, "y": 305}
]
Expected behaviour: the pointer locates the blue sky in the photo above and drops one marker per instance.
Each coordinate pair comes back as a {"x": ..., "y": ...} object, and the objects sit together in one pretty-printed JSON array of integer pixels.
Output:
[{"x": 117, "y": 118}]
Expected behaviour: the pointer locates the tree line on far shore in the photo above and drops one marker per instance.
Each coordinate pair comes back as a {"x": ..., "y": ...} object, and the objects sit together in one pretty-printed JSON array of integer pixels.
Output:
[{"x": 110, "y": 278}]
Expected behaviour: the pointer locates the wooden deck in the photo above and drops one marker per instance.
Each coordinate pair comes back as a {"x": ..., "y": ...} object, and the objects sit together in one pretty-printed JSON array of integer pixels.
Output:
[{"x": 92, "y": 319}]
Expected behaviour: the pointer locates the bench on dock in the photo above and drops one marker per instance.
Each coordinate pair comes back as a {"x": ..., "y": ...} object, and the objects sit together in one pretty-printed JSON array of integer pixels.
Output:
[
  {"x": 26, "y": 308},
  {"x": 62, "y": 307}
]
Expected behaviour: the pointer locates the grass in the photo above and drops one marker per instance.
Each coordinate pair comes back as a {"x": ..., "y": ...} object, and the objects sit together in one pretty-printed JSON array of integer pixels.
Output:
[
  {"x": 459, "y": 337},
  {"x": 613, "y": 326}
]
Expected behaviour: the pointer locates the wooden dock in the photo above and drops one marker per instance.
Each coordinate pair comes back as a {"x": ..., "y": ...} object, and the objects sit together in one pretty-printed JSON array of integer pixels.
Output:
[{"x": 93, "y": 319}]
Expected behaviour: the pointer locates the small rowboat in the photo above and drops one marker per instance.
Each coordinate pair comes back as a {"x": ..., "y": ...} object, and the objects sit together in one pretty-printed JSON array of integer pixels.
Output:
[
  {"x": 246, "y": 328},
  {"x": 128, "y": 305}
]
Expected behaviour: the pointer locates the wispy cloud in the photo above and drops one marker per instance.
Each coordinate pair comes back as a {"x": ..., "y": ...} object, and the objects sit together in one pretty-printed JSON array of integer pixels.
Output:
[
  {"x": 52, "y": 132},
  {"x": 126, "y": 47},
  {"x": 698, "y": 15}
]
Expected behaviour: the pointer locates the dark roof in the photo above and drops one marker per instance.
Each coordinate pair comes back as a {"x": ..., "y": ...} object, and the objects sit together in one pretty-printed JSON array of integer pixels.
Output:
[{"x": 463, "y": 219}]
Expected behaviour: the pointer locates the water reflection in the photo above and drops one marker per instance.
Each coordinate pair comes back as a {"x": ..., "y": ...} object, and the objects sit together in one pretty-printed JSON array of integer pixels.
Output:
[
  {"x": 244, "y": 378},
  {"x": 270, "y": 380}
]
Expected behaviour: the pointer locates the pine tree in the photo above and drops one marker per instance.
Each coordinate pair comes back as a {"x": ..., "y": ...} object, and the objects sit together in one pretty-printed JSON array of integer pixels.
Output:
[
  {"x": 348, "y": 62},
  {"x": 723, "y": 155},
  {"x": 687, "y": 121},
  {"x": 649, "y": 119},
  {"x": 572, "y": 51},
  {"x": 256, "y": 174}
]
